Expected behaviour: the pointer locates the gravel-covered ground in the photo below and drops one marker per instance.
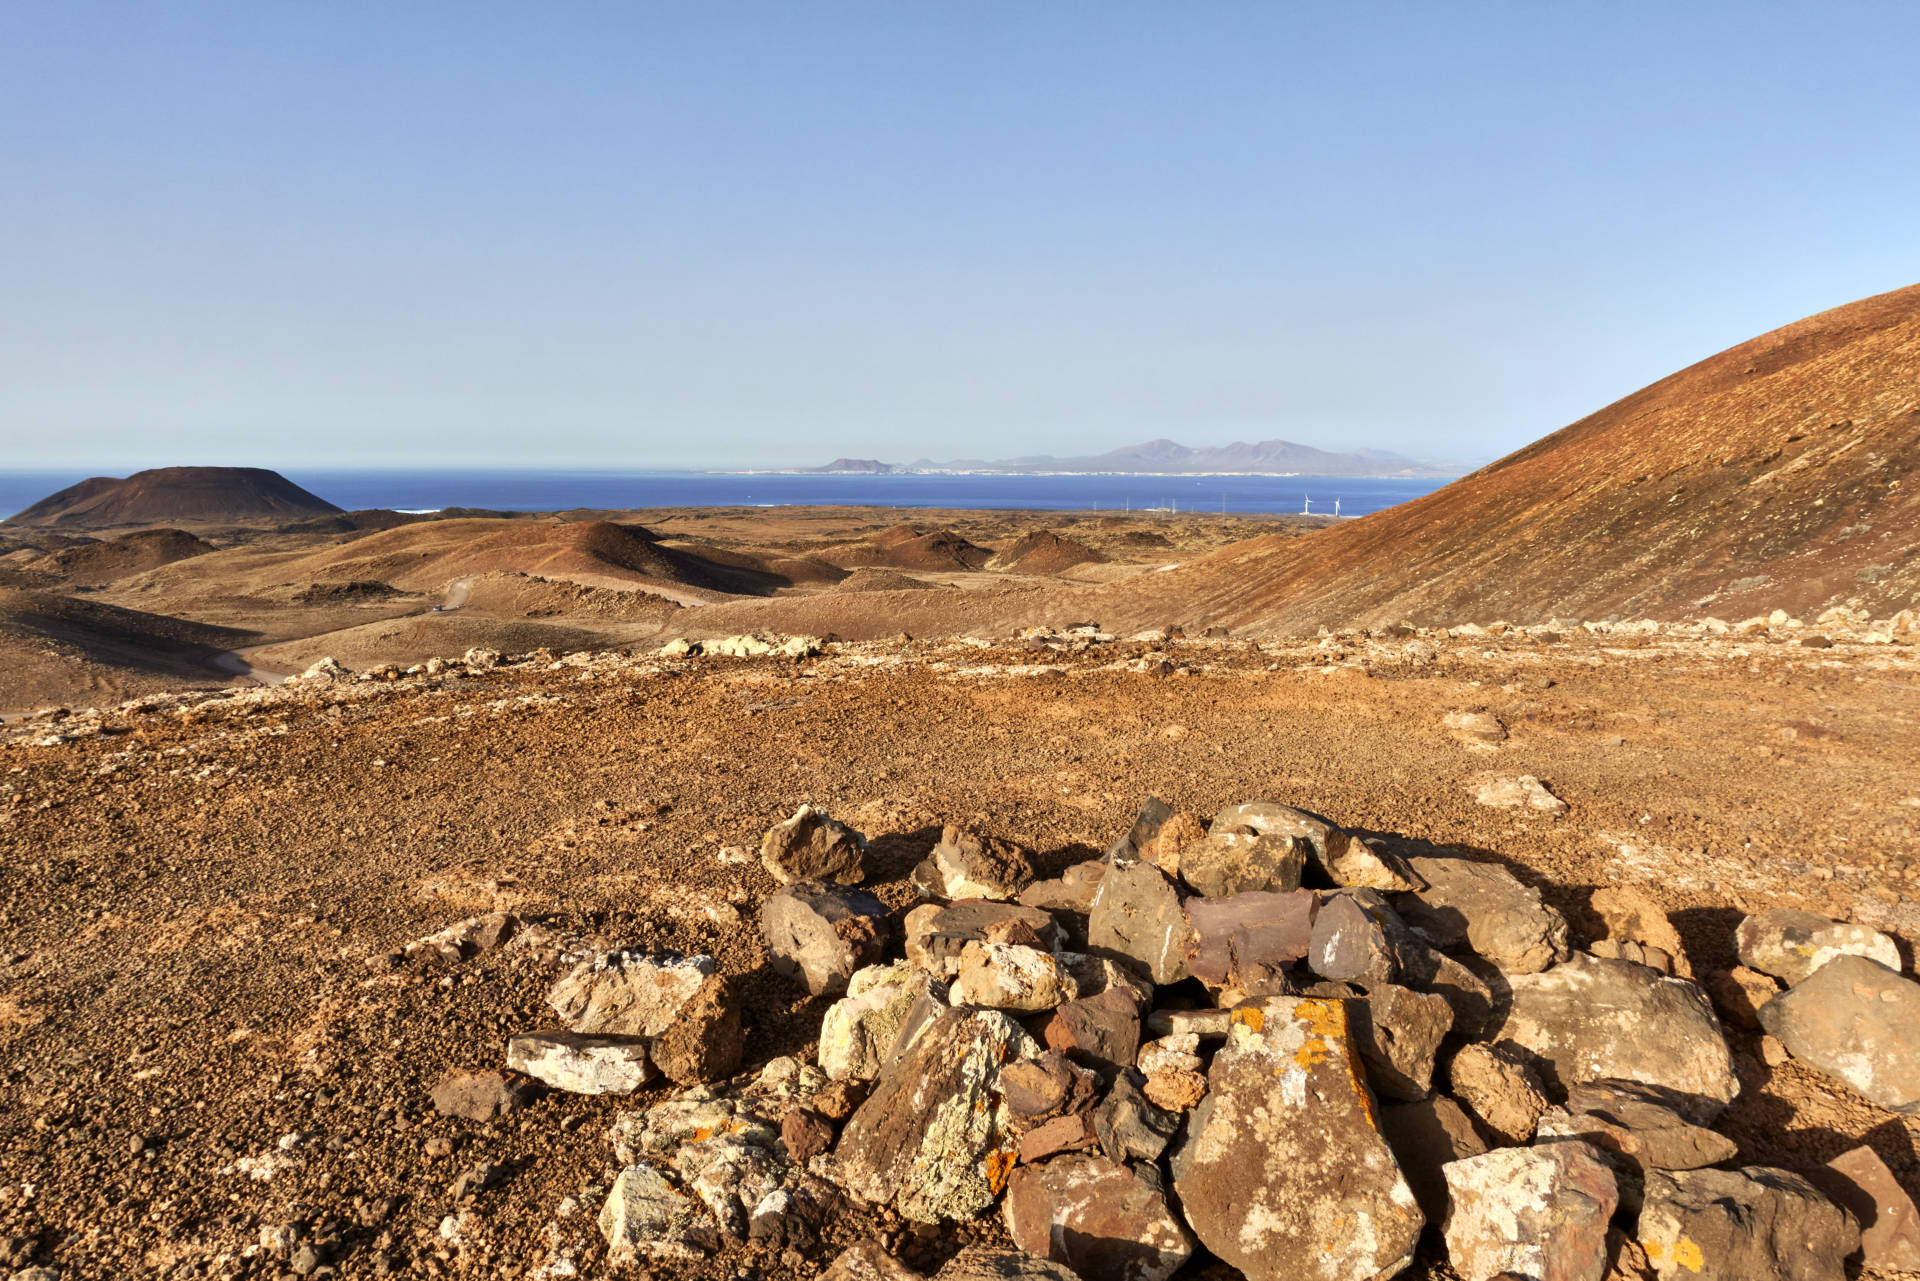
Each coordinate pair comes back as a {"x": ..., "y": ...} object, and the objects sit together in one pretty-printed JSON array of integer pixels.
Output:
[{"x": 199, "y": 1036}]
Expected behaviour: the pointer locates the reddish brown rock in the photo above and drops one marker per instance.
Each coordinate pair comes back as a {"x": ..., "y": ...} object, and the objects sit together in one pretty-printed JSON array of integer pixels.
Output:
[
  {"x": 705, "y": 1041},
  {"x": 1860, "y": 1183},
  {"x": 1096, "y": 1217},
  {"x": 1102, "y": 1031},
  {"x": 806, "y": 1134},
  {"x": 1061, "y": 1134},
  {"x": 1249, "y": 940},
  {"x": 1037, "y": 1090}
]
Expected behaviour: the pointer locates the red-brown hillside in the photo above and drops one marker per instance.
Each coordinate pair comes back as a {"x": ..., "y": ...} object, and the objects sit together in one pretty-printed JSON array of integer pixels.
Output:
[{"x": 1779, "y": 473}]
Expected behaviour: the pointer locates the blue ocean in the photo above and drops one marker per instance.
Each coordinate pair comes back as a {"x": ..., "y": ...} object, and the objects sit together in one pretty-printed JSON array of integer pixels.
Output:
[{"x": 552, "y": 490}]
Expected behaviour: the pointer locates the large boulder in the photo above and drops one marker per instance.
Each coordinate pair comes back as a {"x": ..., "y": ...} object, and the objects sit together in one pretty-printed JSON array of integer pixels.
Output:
[
  {"x": 1345, "y": 859},
  {"x": 1538, "y": 1212},
  {"x": 1636, "y": 1127},
  {"x": 812, "y": 846},
  {"x": 1284, "y": 1173},
  {"x": 1425, "y": 1137},
  {"x": 936, "y": 934},
  {"x": 967, "y": 865},
  {"x": 706, "y": 1040},
  {"x": 858, "y": 1032},
  {"x": 1137, "y": 915},
  {"x": 1593, "y": 1019},
  {"x": 1228, "y": 862},
  {"x": 1099, "y": 1218},
  {"x": 1487, "y": 908},
  {"x": 1791, "y": 945},
  {"x": 1247, "y": 942},
  {"x": 629, "y": 993},
  {"x": 1750, "y": 1224},
  {"x": 820, "y": 933},
  {"x": 1856, "y": 1020},
  {"x": 647, "y": 1218},
  {"x": 1398, "y": 1032},
  {"x": 1008, "y": 976},
  {"x": 934, "y": 1139}
]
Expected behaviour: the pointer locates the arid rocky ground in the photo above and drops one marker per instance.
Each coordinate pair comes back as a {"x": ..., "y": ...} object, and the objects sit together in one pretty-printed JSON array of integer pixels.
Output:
[{"x": 198, "y": 1037}]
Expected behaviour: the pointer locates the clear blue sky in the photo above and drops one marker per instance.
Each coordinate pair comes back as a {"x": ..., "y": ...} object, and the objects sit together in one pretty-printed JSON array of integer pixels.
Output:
[{"x": 647, "y": 235}]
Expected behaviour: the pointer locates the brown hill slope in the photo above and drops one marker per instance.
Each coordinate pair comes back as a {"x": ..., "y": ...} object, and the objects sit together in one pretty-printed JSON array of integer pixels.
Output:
[
  {"x": 904, "y": 547},
  {"x": 102, "y": 562},
  {"x": 175, "y": 495},
  {"x": 1043, "y": 552},
  {"x": 1779, "y": 473},
  {"x": 54, "y": 647}
]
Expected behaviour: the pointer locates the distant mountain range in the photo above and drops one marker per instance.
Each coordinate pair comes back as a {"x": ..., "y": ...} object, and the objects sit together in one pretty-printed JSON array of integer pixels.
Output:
[{"x": 1158, "y": 458}]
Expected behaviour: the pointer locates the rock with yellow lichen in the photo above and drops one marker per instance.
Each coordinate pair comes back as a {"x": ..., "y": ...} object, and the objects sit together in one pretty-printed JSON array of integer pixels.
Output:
[
  {"x": 935, "y": 1139},
  {"x": 1284, "y": 1173},
  {"x": 1750, "y": 1224}
]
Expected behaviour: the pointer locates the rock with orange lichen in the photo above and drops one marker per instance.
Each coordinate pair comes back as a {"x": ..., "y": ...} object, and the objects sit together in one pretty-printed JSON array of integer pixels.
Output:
[{"x": 1284, "y": 1173}]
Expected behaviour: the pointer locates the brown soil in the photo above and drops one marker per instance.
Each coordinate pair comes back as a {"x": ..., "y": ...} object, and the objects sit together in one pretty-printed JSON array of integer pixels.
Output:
[
  {"x": 883, "y": 580},
  {"x": 190, "y": 897}
]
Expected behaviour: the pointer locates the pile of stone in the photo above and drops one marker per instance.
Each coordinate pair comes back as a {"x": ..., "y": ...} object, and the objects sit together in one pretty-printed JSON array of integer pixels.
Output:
[{"x": 1296, "y": 1048}]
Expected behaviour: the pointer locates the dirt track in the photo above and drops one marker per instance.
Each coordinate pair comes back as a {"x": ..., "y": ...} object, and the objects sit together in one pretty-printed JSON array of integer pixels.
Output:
[{"x": 191, "y": 900}]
